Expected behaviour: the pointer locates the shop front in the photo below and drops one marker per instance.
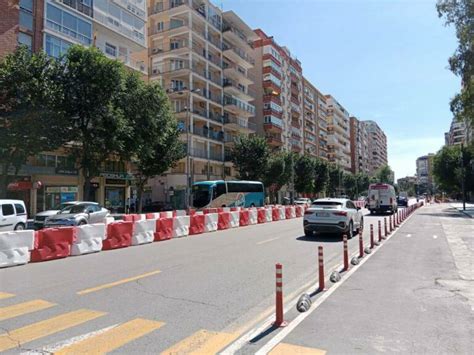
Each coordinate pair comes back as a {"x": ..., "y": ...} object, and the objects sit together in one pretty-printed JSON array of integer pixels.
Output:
[{"x": 116, "y": 191}]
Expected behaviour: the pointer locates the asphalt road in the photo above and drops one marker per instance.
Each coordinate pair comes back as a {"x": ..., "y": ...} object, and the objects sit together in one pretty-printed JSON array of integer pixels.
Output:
[{"x": 197, "y": 293}]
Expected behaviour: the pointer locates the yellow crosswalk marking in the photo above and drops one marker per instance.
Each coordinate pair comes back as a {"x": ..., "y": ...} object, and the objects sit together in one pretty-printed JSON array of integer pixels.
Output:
[
  {"x": 202, "y": 342},
  {"x": 23, "y": 308},
  {"x": 47, "y": 327},
  {"x": 4, "y": 295},
  {"x": 113, "y": 338},
  {"x": 284, "y": 349},
  {"x": 116, "y": 283}
]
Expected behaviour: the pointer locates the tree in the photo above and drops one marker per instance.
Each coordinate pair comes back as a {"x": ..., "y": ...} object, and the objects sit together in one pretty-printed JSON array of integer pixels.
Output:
[
  {"x": 362, "y": 183},
  {"x": 460, "y": 13},
  {"x": 321, "y": 175},
  {"x": 304, "y": 169},
  {"x": 151, "y": 140},
  {"x": 384, "y": 175},
  {"x": 447, "y": 170},
  {"x": 90, "y": 83},
  {"x": 29, "y": 124},
  {"x": 250, "y": 156},
  {"x": 278, "y": 172},
  {"x": 349, "y": 182},
  {"x": 335, "y": 180}
]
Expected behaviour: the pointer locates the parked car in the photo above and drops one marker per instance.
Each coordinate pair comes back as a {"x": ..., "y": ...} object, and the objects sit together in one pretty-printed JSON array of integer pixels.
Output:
[
  {"x": 402, "y": 199},
  {"x": 12, "y": 215},
  {"x": 333, "y": 215},
  {"x": 77, "y": 215},
  {"x": 382, "y": 198},
  {"x": 303, "y": 201},
  {"x": 41, "y": 216}
]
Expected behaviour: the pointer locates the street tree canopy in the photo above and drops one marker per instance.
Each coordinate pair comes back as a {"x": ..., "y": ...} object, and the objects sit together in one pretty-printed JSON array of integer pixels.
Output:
[{"x": 250, "y": 156}]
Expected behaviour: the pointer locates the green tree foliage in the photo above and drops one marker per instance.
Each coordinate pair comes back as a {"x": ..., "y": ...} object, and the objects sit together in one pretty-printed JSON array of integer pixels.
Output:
[
  {"x": 362, "y": 182},
  {"x": 447, "y": 169},
  {"x": 334, "y": 185},
  {"x": 460, "y": 14},
  {"x": 304, "y": 167},
  {"x": 151, "y": 139},
  {"x": 250, "y": 156},
  {"x": 349, "y": 182},
  {"x": 28, "y": 124},
  {"x": 278, "y": 172},
  {"x": 321, "y": 175},
  {"x": 384, "y": 175},
  {"x": 91, "y": 83}
]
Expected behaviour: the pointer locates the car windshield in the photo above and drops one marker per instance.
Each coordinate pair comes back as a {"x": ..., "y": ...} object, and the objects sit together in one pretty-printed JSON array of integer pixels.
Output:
[
  {"x": 74, "y": 209},
  {"x": 201, "y": 195},
  {"x": 63, "y": 205}
]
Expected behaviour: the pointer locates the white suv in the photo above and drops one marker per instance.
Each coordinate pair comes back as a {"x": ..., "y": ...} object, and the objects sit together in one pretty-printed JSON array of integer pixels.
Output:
[
  {"x": 333, "y": 215},
  {"x": 12, "y": 215}
]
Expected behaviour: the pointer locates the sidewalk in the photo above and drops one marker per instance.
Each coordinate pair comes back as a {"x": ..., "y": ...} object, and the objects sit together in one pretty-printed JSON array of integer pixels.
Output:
[
  {"x": 469, "y": 208},
  {"x": 415, "y": 295}
]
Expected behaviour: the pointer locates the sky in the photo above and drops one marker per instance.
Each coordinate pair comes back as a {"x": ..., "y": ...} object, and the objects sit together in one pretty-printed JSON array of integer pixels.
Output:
[{"x": 383, "y": 60}]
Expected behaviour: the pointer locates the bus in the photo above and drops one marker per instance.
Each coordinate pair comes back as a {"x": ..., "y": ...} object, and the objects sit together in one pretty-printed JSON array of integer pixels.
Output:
[{"x": 221, "y": 193}]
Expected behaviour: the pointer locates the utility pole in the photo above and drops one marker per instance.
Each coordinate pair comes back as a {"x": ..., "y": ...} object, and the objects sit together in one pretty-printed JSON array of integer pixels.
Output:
[{"x": 463, "y": 188}]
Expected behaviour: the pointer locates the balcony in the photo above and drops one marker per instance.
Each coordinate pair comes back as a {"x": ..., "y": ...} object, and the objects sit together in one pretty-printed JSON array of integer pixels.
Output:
[
  {"x": 198, "y": 153},
  {"x": 127, "y": 60},
  {"x": 271, "y": 70},
  {"x": 274, "y": 140},
  {"x": 239, "y": 124},
  {"x": 236, "y": 73},
  {"x": 272, "y": 98},
  {"x": 79, "y": 6},
  {"x": 271, "y": 88},
  {"x": 169, "y": 28},
  {"x": 230, "y": 139},
  {"x": 216, "y": 60},
  {"x": 209, "y": 134},
  {"x": 216, "y": 155},
  {"x": 238, "y": 107},
  {"x": 235, "y": 36},
  {"x": 207, "y": 114},
  {"x": 232, "y": 87},
  {"x": 166, "y": 6},
  {"x": 238, "y": 56},
  {"x": 272, "y": 124}
]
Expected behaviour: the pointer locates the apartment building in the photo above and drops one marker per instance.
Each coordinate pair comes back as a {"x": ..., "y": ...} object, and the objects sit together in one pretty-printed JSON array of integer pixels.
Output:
[
  {"x": 202, "y": 58},
  {"x": 377, "y": 146},
  {"x": 315, "y": 124},
  {"x": 359, "y": 147},
  {"x": 339, "y": 143},
  {"x": 424, "y": 171},
  {"x": 117, "y": 27},
  {"x": 457, "y": 134},
  {"x": 279, "y": 94}
]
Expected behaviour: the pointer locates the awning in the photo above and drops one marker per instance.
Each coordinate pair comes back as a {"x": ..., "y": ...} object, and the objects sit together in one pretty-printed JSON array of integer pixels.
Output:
[{"x": 23, "y": 185}]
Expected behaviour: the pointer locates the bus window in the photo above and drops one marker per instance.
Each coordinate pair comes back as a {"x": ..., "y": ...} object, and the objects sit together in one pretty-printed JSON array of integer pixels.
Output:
[
  {"x": 219, "y": 190},
  {"x": 201, "y": 195}
]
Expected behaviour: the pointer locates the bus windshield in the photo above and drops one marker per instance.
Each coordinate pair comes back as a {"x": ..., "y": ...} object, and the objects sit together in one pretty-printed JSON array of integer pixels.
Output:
[{"x": 201, "y": 195}]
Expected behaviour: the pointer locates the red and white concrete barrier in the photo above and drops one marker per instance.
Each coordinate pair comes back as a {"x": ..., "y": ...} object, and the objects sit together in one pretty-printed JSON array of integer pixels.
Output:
[
  {"x": 15, "y": 247},
  {"x": 89, "y": 239},
  {"x": 144, "y": 231}
]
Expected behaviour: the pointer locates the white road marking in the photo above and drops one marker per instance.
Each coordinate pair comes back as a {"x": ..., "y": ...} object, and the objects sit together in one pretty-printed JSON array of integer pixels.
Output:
[
  {"x": 51, "y": 349},
  {"x": 268, "y": 240},
  {"x": 435, "y": 237},
  {"x": 408, "y": 235}
]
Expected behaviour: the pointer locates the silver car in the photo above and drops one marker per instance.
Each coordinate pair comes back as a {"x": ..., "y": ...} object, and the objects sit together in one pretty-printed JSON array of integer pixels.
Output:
[
  {"x": 41, "y": 216},
  {"x": 333, "y": 215},
  {"x": 77, "y": 215}
]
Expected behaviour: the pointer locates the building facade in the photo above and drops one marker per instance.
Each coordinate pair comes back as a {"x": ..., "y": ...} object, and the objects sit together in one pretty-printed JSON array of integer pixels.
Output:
[
  {"x": 202, "y": 58},
  {"x": 115, "y": 27},
  {"x": 359, "y": 147},
  {"x": 279, "y": 95},
  {"x": 377, "y": 146},
  {"x": 424, "y": 171},
  {"x": 339, "y": 144},
  {"x": 458, "y": 133}
]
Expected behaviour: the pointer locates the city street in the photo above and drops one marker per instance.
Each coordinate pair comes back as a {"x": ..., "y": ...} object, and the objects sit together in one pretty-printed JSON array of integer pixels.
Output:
[{"x": 200, "y": 292}]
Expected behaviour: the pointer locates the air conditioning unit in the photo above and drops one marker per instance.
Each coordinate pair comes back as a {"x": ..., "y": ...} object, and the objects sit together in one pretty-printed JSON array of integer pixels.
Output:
[
  {"x": 155, "y": 71},
  {"x": 155, "y": 50}
]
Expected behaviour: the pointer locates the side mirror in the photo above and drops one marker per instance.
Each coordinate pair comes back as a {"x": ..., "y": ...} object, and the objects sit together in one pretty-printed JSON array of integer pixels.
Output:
[{"x": 358, "y": 208}]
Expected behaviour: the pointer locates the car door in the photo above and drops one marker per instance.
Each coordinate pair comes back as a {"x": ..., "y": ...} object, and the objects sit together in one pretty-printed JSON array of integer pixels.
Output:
[
  {"x": 353, "y": 212},
  {"x": 94, "y": 214},
  {"x": 8, "y": 217}
]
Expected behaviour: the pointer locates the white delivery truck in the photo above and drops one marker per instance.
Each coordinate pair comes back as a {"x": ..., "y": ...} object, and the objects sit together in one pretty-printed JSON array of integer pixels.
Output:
[{"x": 382, "y": 198}]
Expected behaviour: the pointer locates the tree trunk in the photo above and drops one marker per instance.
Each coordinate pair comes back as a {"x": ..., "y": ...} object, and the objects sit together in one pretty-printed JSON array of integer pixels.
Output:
[
  {"x": 87, "y": 186},
  {"x": 140, "y": 188},
  {"x": 4, "y": 181}
]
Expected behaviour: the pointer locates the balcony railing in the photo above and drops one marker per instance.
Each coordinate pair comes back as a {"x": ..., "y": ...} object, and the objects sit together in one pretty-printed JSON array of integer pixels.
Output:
[
  {"x": 207, "y": 133},
  {"x": 232, "y": 83},
  {"x": 240, "y": 122},
  {"x": 203, "y": 53},
  {"x": 129, "y": 32},
  {"x": 229, "y": 138},
  {"x": 213, "y": 155},
  {"x": 165, "y": 6},
  {"x": 79, "y": 6},
  {"x": 198, "y": 153},
  {"x": 240, "y": 53},
  {"x": 229, "y": 28}
]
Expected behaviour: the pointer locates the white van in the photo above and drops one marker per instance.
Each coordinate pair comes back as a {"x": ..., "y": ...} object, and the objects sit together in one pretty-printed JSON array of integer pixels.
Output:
[
  {"x": 382, "y": 198},
  {"x": 12, "y": 215}
]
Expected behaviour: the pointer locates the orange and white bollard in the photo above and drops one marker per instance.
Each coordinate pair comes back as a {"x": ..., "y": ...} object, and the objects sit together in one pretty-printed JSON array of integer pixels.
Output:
[
  {"x": 380, "y": 231},
  {"x": 361, "y": 245},
  {"x": 279, "y": 322},
  {"x": 346, "y": 253},
  {"x": 372, "y": 243},
  {"x": 322, "y": 287},
  {"x": 385, "y": 226}
]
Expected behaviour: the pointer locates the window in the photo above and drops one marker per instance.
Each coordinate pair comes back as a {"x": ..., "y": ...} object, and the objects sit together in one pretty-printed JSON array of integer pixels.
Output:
[
  {"x": 160, "y": 26},
  {"x": 350, "y": 205},
  {"x": 110, "y": 49},
  {"x": 114, "y": 10},
  {"x": 7, "y": 210},
  {"x": 219, "y": 189},
  {"x": 86, "y": 2},
  {"x": 244, "y": 187},
  {"x": 26, "y": 5},
  {"x": 26, "y": 20},
  {"x": 55, "y": 47},
  {"x": 174, "y": 45},
  {"x": 19, "y": 209},
  {"x": 24, "y": 39}
]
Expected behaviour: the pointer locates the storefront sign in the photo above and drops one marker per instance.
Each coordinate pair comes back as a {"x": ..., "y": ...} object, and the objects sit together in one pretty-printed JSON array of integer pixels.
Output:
[
  {"x": 62, "y": 171},
  {"x": 115, "y": 182},
  {"x": 123, "y": 176},
  {"x": 63, "y": 189}
]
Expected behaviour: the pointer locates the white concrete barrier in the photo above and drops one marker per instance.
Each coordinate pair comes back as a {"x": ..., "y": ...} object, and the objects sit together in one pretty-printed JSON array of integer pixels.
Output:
[
  {"x": 210, "y": 222},
  {"x": 282, "y": 213},
  {"x": 293, "y": 212},
  {"x": 142, "y": 216},
  {"x": 166, "y": 214},
  {"x": 155, "y": 215},
  {"x": 89, "y": 239},
  {"x": 225, "y": 209},
  {"x": 108, "y": 220},
  {"x": 144, "y": 231},
  {"x": 181, "y": 226},
  {"x": 199, "y": 212},
  {"x": 253, "y": 216},
  {"x": 15, "y": 247},
  {"x": 234, "y": 219},
  {"x": 180, "y": 213},
  {"x": 268, "y": 214}
]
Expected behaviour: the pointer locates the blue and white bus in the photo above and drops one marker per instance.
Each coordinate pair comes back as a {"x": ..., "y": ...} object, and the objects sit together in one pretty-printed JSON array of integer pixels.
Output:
[{"x": 221, "y": 193}]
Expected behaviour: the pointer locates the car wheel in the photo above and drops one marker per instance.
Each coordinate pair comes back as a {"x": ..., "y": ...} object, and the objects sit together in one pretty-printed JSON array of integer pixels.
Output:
[
  {"x": 19, "y": 227},
  {"x": 351, "y": 230},
  {"x": 81, "y": 223},
  {"x": 308, "y": 233}
]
